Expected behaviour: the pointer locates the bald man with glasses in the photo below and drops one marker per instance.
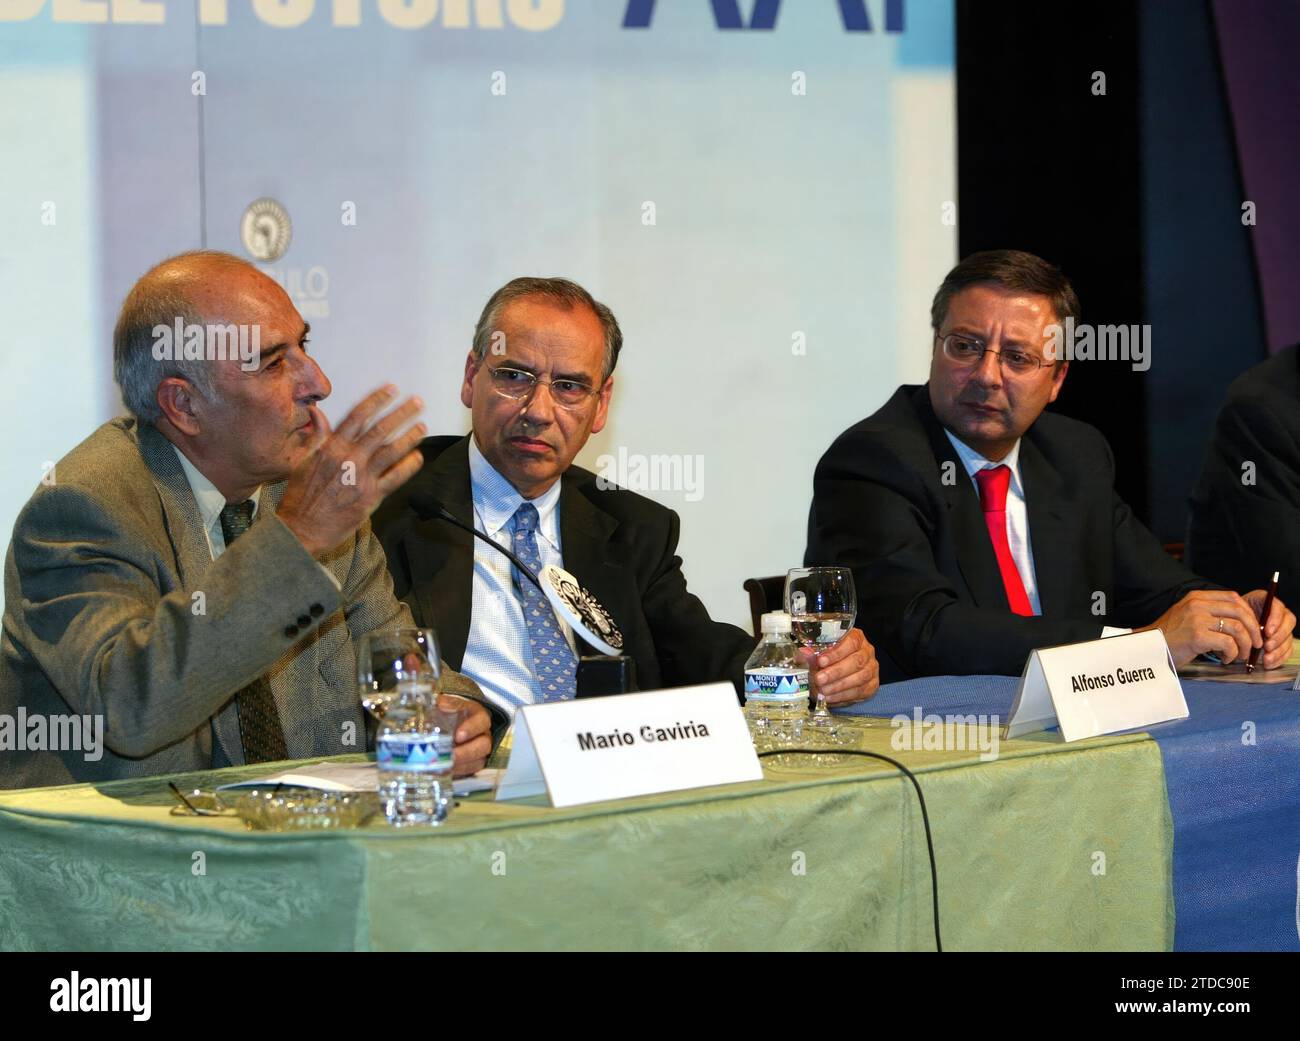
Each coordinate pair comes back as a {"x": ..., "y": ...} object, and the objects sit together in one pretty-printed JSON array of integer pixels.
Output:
[
  {"x": 980, "y": 527},
  {"x": 196, "y": 580}
]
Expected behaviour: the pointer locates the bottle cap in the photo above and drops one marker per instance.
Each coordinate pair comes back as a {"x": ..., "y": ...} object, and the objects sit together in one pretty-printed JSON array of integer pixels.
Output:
[{"x": 775, "y": 622}]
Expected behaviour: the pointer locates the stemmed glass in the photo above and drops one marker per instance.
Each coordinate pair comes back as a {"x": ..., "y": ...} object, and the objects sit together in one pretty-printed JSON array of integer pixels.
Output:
[
  {"x": 822, "y": 605},
  {"x": 391, "y": 662}
]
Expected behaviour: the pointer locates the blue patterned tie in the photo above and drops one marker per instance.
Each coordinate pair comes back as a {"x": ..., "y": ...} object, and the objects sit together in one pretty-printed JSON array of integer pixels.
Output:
[{"x": 554, "y": 664}]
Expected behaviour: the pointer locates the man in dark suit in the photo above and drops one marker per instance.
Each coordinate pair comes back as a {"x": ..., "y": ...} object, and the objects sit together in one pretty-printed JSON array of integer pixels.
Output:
[
  {"x": 1245, "y": 520},
  {"x": 932, "y": 502},
  {"x": 128, "y": 602},
  {"x": 538, "y": 381}
]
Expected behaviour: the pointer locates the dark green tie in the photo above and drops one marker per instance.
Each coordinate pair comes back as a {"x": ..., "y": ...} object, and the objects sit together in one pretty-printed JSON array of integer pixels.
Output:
[{"x": 259, "y": 720}]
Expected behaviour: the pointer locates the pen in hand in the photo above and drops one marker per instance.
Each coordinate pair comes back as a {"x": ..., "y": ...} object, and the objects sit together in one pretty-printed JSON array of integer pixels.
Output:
[{"x": 1253, "y": 660}]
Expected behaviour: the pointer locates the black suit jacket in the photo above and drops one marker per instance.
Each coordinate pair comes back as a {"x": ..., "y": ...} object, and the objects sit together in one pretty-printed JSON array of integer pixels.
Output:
[
  {"x": 892, "y": 500},
  {"x": 1245, "y": 520},
  {"x": 621, "y": 546}
]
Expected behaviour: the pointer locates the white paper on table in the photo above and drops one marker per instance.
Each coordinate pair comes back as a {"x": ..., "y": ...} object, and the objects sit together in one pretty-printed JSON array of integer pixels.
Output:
[{"x": 355, "y": 777}]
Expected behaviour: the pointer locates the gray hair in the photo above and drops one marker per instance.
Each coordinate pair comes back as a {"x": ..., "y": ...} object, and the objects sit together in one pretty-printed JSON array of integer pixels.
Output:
[
  {"x": 559, "y": 291},
  {"x": 159, "y": 298}
]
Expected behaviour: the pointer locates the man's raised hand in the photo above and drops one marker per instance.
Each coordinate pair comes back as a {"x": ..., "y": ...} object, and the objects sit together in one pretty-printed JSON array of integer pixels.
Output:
[{"x": 351, "y": 470}]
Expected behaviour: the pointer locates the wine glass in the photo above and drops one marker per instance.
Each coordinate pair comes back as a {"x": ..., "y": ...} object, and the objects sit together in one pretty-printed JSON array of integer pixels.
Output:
[
  {"x": 394, "y": 661},
  {"x": 822, "y": 605}
]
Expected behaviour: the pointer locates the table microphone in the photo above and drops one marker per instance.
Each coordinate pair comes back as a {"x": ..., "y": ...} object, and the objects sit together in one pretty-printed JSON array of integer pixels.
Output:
[
  {"x": 426, "y": 507},
  {"x": 566, "y": 596}
]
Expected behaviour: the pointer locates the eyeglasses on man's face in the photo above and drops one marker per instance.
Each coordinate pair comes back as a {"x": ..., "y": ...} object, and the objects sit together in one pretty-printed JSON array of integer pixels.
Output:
[
  {"x": 520, "y": 385},
  {"x": 968, "y": 351}
]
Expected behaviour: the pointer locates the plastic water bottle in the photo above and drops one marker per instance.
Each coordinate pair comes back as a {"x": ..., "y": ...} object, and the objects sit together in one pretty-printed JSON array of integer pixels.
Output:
[
  {"x": 414, "y": 753},
  {"x": 776, "y": 684}
]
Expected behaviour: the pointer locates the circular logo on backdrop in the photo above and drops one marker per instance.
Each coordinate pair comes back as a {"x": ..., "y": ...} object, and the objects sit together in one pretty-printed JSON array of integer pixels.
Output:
[{"x": 266, "y": 230}]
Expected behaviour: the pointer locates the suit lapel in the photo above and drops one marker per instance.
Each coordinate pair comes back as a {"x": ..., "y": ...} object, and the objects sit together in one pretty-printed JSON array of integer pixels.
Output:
[
  {"x": 190, "y": 544},
  {"x": 975, "y": 557},
  {"x": 441, "y": 556},
  {"x": 1049, "y": 530},
  {"x": 180, "y": 509}
]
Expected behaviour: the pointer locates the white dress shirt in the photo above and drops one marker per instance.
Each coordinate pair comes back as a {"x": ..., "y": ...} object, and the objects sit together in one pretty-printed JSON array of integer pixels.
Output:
[{"x": 497, "y": 653}]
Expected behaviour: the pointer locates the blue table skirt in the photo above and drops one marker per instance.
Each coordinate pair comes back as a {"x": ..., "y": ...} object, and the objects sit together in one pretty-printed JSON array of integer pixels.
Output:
[{"x": 1232, "y": 771}]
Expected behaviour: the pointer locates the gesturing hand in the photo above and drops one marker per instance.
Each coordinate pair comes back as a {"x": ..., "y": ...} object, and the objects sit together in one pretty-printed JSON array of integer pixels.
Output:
[{"x": 350, "y": 470}]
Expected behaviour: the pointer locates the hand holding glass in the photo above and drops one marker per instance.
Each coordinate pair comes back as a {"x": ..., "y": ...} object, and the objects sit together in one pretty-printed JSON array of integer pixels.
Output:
[{"x": 822, "y": 605}]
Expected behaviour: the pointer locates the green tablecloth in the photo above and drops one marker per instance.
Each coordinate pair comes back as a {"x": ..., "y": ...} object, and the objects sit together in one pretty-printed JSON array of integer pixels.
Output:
[{"x": 1048, "y": 847}]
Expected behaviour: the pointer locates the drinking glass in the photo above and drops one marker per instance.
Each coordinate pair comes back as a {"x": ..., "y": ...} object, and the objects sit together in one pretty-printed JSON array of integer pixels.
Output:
[
  {"x": 822, "y": 605},
  {"x": 390, "y": 660}
]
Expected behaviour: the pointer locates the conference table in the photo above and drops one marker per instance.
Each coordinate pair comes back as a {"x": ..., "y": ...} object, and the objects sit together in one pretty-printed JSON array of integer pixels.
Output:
[{"x": 1046, "y": 846}]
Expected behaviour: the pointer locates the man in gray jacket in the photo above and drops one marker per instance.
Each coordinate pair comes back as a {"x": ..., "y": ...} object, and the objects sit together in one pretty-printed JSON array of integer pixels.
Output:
[{"x": 139, "y": 638}]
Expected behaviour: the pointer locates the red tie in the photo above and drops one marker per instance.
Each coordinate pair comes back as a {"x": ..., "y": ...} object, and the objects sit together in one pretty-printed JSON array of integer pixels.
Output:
[{"x": 993, "y": 483}]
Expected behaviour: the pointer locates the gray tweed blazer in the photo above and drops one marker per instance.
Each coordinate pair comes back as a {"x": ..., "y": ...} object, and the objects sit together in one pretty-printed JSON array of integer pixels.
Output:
[{"x": 115, "y": 610}]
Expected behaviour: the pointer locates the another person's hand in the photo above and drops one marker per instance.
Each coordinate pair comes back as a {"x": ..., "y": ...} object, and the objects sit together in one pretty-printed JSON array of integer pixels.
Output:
[
  {"x": 1211, "y": 620},
  {"x": 351, "y": 470},
  {"x": 1277, "y": 629},
  {"x": 473, "y": 734},
  {"x": 845, "y": 673}
]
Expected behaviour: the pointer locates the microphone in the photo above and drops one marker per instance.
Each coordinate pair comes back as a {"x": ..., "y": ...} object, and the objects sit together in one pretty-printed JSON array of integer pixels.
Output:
[
  {"x": 568, "y": 599},
  {"x": 426, "y": 507}
]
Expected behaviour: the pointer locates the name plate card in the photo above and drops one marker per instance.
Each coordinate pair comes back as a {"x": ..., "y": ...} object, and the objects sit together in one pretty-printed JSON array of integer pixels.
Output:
[
  {"x": 595, "y": 749},
  {"x": 1098, "y": 687}
]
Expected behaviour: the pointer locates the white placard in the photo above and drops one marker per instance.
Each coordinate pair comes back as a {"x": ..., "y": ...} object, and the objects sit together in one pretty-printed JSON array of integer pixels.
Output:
[
  {"x": 1098, "y": 687},
  {"x": 631, "y": 744}
]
